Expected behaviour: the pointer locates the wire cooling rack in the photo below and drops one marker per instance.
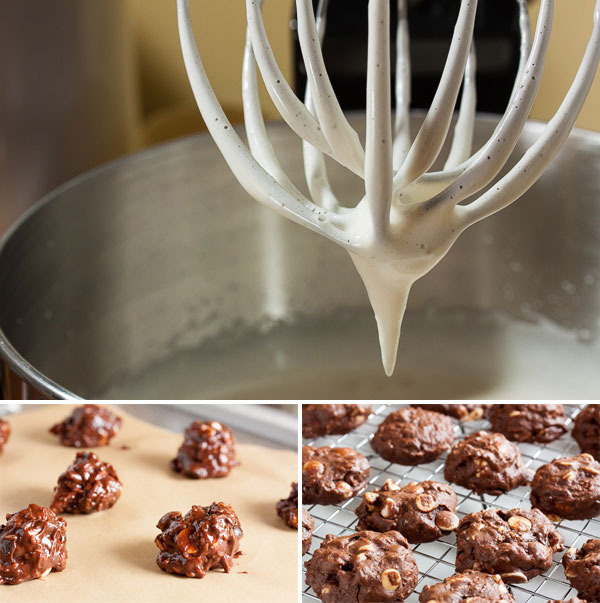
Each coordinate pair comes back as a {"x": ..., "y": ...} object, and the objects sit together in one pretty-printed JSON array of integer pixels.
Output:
[{"x": 436, "y": 559}]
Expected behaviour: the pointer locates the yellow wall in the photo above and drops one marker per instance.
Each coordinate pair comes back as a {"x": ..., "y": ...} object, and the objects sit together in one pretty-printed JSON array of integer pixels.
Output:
[
  {"x": 570, "y": 33},
  {"x": 220, "y": 28},
  {"x": 220, "y": 33}
]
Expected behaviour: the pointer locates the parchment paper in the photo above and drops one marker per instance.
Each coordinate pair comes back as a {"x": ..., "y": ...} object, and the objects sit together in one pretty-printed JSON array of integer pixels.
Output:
[{"x": 112, "y": 555}]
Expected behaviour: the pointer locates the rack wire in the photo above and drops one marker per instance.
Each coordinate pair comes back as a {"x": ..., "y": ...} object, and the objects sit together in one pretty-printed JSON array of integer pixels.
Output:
[{"x": 436, "y": 559}]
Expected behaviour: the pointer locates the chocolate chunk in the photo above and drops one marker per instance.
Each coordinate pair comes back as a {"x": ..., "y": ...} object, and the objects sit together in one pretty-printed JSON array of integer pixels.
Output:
[
  {"x": 88, "y": 426},
  {"x": 87, "y": 486},
  {"x": 528, "y": 422},
  {"x": 4, "y": 433},
  {"x": 462, "y": 412},
  {"x": 411, "y": 436},
  {"x": 208, "y": 450},
  {"x": 568, "y": 487},
  {"x": 327, "y": 419},
  {"x": 287, "y": 508},
  {"x": 32, "y": 544},
  {"x": 308, "y": 525},
  {"x": 471, "y": 586},
  {"x": 518, "y": 545},
  {"x": 421, "y": 512},
  {"x": 332, "y": 475},
  {"x": 207, "y": 537},
  {"x": 366, "y": 566},
  {"x": 586, "y": 430},
  {"x": 486, "y": 463},
  {"x": 582, "y": 568}
]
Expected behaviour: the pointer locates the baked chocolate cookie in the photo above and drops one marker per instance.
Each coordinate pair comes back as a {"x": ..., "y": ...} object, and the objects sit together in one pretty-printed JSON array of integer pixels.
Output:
[
  {"x": 582, "y": 568},
  {"x": 411, "y": 436},
  {"x": 586, "y": 430},
  {"x": 308, "y": 525},
  {"x": 32, "y": 544},
  {"x": 468, "y": 586},
  {"x": 486, "y": 463},
  {"x": 518, "y": 544},
  {"x": 208, "y": 450},
  {"x": 568, "y": 487},
  {"x": 571, "y": 600},
  {"x": 366, "y": 566},
  {"x": 421, "y": 512},
  {"x": 287, "y": 508},
  {"x": 4, "y": 433},
  {"x": 528, "y": 422},
  {"x": 462, "y": 412},
  {"x": 88, "y": 485},
  {"x": 327, "y": 419},
  {"x": 332, "y": 475},
  {"x": 207, "y": 537},
  {"x": 88, "y": 426}
]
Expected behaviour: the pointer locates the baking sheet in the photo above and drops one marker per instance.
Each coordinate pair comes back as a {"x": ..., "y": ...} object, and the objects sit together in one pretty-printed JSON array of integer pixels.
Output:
[
  {"x": 112, "y": 555},
  {"x": 436, "y": 559}
]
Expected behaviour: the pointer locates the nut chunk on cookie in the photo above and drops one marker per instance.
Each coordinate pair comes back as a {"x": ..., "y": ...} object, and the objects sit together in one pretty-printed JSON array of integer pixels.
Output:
[
  {"x": 471, "y": 586},
  {"x": 327, "y": 419},
  {"x": 88, "y": 485},
  {"x": 4, "y": 433},
  {"x": 421, "y": 512},
  {"x": 582, "y": 568},
  {"x": 528, "y": 422},
  {"x": 411, "y": 436},
  {"x": 332, "y": 475},
  {"x": 462, "y": 412},
  {"x": 287, "y": 508},
  {"x": 366, "y": 566},
  {"x": 88, "y": 426},
  {"x": 208, "y": 450},
  {"x": 568, "y": 487},
  {"x": 486, "y": 463},
  {"x": 308, "y": 525},
  {"x": 32, "y": 544},
  {"x": 586, "y": 430},
  {"x": 518, "y": 545},
  {"x": 207, "y": 537}
]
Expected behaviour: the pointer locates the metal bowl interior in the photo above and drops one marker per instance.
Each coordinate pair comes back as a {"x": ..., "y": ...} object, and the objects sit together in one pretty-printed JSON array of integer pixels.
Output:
[{"x": 156, "y": 276}]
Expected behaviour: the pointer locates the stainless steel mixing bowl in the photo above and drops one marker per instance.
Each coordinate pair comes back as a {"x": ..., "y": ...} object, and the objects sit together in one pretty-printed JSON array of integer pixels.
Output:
[{"x": 145, "y": 278}]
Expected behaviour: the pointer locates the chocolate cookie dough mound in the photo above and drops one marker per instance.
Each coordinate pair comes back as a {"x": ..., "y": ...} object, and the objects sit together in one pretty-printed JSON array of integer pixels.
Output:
[
  {"x": 207, "y": 537},
  {"x": 32, "y": 544},
  {"x": 4, "y": 433},
  {"x": 528, "y": 422},
  {"x": 366, "y": 566},
  {"x": 586, "y": 430},
  {"x": 462, "y": 412},
  {"x": 287, "y": 508},
  {"x": 88, "y": 426},
  {"x": 582, "y": 569},
  {"x": 308, "y": 525},
  {"x": 471, "y": 586},
  {"x": 411, "y": 436},
  {"x": 208, "y": 450},
  {"x": 87, "y": 486},
  {"x": 486, "y": 463},
  {"x": 518, "y": 545},
  {"x": 332, "y": 475},
  {"x": 421, "y": 512},
  {"x": 327, "y": 419},
  {"x": 568, "y": 487}
]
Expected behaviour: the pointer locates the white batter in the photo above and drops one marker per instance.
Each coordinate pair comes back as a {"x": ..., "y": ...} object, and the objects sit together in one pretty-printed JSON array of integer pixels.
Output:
[{"x": 409, "y": 217}]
